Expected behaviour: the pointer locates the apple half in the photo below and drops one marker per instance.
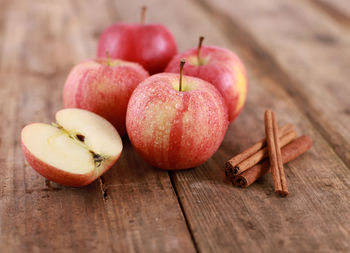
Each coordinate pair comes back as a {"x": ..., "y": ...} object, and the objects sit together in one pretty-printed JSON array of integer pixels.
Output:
[{"x": 75, "y": 150}]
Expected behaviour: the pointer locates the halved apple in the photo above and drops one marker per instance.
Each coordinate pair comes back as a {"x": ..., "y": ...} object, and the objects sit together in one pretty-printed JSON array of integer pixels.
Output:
[{"x": 75, "y": 150}]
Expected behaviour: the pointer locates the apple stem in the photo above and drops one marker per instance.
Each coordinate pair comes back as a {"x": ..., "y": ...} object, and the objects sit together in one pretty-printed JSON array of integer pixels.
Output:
[
  {"x": 201, "y": 38},
  {"x": 182, "y": 63},
  {"x": 143, "y": 14},
  {"x": 108, "y": 58}
]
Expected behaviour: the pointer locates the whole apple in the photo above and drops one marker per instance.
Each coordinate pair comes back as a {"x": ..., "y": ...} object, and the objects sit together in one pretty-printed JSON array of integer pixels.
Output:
[
  {"x": 103, "y": 86},
  {"x": 75, "y": 150},
  {"x": 220, "y": 67},
  {"x": 176, "y": 128},
  {"x": 150, "y": 45}
]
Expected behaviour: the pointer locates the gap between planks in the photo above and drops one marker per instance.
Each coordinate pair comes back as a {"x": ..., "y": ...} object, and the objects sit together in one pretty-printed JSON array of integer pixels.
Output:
[
  {"x": 105, "y": 195},
  {"x": 264, "y": 60},
  {"x": 188, "y": 225}
]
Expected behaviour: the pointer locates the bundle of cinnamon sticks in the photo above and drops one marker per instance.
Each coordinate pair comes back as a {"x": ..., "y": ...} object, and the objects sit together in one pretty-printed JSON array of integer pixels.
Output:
[{"x": 279, "y": 147}]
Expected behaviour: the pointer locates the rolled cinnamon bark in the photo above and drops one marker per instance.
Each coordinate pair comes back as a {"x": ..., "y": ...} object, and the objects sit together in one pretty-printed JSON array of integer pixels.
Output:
[
  {"x": 257, "y": 157},
  {"x": 275, "y": 156},
  {"x": 289, "y": 153},
  {"x": 232, "y": 166}
]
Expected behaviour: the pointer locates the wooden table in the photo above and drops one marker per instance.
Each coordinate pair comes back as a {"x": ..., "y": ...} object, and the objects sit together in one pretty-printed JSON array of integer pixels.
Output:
[{"x": 297, "y": 53}]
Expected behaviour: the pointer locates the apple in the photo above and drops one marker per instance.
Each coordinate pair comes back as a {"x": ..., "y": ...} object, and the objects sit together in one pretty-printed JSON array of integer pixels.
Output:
[
  {"x": 103, "y": 86},
  {"x": 176, "y": 122},
  {"x": 220, "y": 67},
  {"x": 151, "y": 45},
  {"x": 75, "y": 151}
]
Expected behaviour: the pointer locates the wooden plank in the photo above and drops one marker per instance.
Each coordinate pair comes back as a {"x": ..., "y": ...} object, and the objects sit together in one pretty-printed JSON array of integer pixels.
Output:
[
  {"x": 303, "y": 51},
  {"x": 222, "y": 218},
  {"x": 338, "y": 10},
  {"x": 131, "y": 208}
]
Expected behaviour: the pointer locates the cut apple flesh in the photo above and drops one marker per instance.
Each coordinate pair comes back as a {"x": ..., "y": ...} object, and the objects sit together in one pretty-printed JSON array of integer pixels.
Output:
[
  {"x": 56, "y": 148},
  {"x": 80, "y": 142},
  {"x": 99, "y": 135}
]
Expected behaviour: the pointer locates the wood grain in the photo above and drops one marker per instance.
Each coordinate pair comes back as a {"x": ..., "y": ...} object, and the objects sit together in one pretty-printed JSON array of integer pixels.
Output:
[
  {"x": 131, "y": 208},
  {"x": 338, "y": 10}
]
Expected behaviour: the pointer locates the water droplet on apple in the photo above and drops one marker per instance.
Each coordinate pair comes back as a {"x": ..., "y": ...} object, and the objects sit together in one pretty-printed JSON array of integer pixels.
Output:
[{"x": 178, "y": 106}]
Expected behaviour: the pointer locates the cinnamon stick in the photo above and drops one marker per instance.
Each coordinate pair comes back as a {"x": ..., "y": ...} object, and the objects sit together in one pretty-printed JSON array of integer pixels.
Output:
[
  {"x": 289, "y": 153},
  {"x": 233, "y": 168},
  {"x": 275, "y": 157},
  {"x": 232, "y": 163}
]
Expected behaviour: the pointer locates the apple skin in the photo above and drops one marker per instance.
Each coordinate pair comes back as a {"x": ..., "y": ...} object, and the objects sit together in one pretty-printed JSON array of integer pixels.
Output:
[
  {"x": 60, "y": 176},
  {"x": 105, "y": 90},
  {"x": 174, "y": 129},
  {"x": 150, "y": 45},
  {"x": 222, "y": 68}
]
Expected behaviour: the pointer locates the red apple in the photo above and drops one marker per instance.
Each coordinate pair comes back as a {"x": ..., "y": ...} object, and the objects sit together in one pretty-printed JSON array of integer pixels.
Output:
[
  {"x": 103, "y": 86},
  {"x": 75, "y": 151},
  {"x": 220, "y": 67},
  {"x": 175, "y": 127},
  {"x": 151, "y": 45}
]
